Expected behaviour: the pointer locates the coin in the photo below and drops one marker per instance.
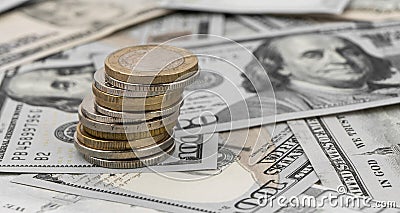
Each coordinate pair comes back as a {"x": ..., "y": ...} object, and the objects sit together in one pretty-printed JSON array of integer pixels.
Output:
[
  {"x": 139, "y": 116},
  {"x": 130, "y": 136},
  {"x": 181, "y": 83},
  {"x": 150, "y": 64},
  {"x": 131, "y": 163},
  {"x": 102, "y": 144},
  {"x": 123, "y": 154},
  {"x": 152, "y": 124},
  {"x": 153, "y": 100},
  {"x": 88, "y": 110},
  {"x": 101, "y": 84}
]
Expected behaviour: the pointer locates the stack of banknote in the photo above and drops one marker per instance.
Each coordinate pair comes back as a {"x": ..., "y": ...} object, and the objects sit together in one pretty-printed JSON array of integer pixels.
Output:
[
  {"x": 128, "y": 121},
  {"x": 290, "y": 106}
]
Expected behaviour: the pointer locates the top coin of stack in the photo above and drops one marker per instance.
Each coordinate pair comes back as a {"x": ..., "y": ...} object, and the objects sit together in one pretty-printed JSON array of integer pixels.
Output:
[{"x": 128, "y": 121}]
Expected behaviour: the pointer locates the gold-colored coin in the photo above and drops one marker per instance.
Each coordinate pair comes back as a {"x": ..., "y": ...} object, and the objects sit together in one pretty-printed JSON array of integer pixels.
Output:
[
  {"x": 151, "y": 64},
  {"x": 152, "y": 100},
  {"x": 131, "y": 163},
  {"x": 102, "y": 144},
  {"x": 123, "y": 154},
  {"x": 135, "y": 107},
  {"x": 130, "y": 136}
]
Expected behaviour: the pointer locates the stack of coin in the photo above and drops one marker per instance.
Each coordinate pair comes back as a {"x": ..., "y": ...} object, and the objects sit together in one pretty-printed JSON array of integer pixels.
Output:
[{"x": 128, "y": 121}]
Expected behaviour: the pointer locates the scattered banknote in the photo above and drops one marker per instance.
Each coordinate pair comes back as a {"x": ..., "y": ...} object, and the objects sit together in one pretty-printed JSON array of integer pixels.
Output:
[
  {"x": 359, "y": 150},
  {"x": 20, "y": 198},
  {"x": 372, "y": 10},
  {"x": 335, "y": 68},
  {"x": 62, "y": 24},
  {"x": 238, "y": 185},
  {"x": 178, "y": 25},
  {"x": 7, "y": 5},
  {"x": 267, "y": 23},
  {"x": 259, "y": 7}
]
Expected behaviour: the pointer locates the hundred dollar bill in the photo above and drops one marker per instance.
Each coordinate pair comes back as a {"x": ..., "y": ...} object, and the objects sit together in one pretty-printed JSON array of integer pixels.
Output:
[
  {"x": 20, "y": 198},
  {"x": 371, "y": 10},
  {"x": 239, "y": 184},
  {"x": 322, "y": 199},
  {"x": 259, "y": 7},
  {"x": 46, "y": 27},
  {"x": 358, "y": 151},
  {"x": 178, "y": 25},
  {"x": 335, "y": 68},
  {"x": 8, "y": 5}
]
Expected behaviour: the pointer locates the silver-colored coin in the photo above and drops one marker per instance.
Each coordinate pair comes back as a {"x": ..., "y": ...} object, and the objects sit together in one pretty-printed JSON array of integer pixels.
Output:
[
  {"x": 152, "y": 87},
  {"x": 101, "y": 84},
  {"x": 139, "y": 116},
  {"x": 88, "y": 109},
  {"x": 124, "y": 154},
  {"x": 131, "y": 163},
  {"x": 130, "y": 127}
]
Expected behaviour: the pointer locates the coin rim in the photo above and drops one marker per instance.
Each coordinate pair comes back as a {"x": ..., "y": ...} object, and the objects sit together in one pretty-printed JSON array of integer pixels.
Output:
[{"x": 115, "y": 70}]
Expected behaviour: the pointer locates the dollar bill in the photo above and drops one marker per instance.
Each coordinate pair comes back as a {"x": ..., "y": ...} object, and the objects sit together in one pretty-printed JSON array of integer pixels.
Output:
[
  {"x": 8, "y": 5},
  {"x": 178, "y": 25},
  {"x": 268, "y": 23},
  {"x": 358, "y": 151},
  {"x": 259, "y": 7},
  {"x": 280, "y": 168},
  {"x": 62, "y": 24},
  {"x": 335, "y": 68},
  {"x": 20, "y": 198},
  {"x": 370, "y": 10}
]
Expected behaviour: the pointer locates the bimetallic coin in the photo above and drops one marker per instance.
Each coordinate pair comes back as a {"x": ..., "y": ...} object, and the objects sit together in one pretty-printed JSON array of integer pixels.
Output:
[
  {"x": 127, "y": 106},
  {"x": 128, "y": 128},
  {"x": 88, "y": 110},
  {"x": 101, "y": 84},
  {"x": 123, "y": 154},
  {"x": 153, "y": 100},
  {"x": 131, "y": 163},
  {"x": 130, "y": 136},
  {"x": 139, "y": 116},
  {"x": 102, "y": 144},
  {"x": 179, "y": 83},
  {"x": 150, "y": 64}
]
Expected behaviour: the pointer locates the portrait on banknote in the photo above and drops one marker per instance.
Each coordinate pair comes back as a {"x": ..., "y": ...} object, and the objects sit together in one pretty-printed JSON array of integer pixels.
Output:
[
  {"x": 313, "y": 71},
  {"x": 59, "y": 86}
]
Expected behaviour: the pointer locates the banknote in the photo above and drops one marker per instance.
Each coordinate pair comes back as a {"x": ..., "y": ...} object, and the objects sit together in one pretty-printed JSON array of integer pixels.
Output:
[
  {"x": 335, "y": 68},
  {"x": 268, "y": 23},
  {"x": 322, "y": 199},
  {"x": 8, "y": 5},
  {"x": 177, "y": 24},
  {"x": 235, "y": 27},
  {"x": 259, "y": 7},
  {"x": 358, "y": 150},
  {"x": 62, "y": 24},
  {"x": 20, "y": 198},
  {"x": 371, "y": 10},
  {"x": 237, "y": 185}
]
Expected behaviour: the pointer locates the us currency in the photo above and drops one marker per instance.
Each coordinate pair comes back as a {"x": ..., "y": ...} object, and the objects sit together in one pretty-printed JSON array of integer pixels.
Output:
[
  {"x": 259, "y": 7},
  {"x": 235, "y": 26},
  {"x": 20, "y": 198},
  {"x": 322, "y": 199},
  {"x": 261, "y": 169},
  {"x": 335, "y": 68},
  {"x": 7, "y": 5},
  {"x": 178, "y": 25},
  {"x": 267, "y": 23},
  {"x": 370, "y": 10},
  {"x": 358, "y": 151},
  {"x": 62, "y": 24}
]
